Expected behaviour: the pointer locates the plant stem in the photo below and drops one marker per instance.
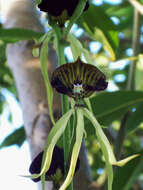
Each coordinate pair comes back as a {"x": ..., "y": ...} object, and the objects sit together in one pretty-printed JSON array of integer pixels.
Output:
[
  {"x": 61, "y": 34},
  {"x": 135, "y": 47},
  {"x": 131, "y": 81},
  {"x": 60, "y": 45}
]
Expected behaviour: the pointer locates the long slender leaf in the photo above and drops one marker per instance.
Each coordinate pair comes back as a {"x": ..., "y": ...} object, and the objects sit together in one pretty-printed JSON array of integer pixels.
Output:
[
  {"x": 16, "y": 34},
  {"x": 75, "y": 45},
  {"x": 43, "y": 61},
  {"x": 78, "y": 49},
  {"x": 101, "y": 29}
]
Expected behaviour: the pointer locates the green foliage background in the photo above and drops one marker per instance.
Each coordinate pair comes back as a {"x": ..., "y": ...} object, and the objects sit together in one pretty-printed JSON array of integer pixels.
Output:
[{"x": 109, "y": 107}]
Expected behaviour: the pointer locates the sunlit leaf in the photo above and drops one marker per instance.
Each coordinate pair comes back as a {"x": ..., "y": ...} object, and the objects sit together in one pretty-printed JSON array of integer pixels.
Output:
[
  {"x": 123, "y": 12},
  {"x": 75, "y": 45},
  {"x": 78, "y": 49},
  {"x": 101, "y": 29}
]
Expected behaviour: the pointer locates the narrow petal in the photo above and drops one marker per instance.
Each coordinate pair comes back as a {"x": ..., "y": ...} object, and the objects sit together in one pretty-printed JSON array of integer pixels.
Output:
[
  {"x": 57, "y": 163},
  {"x": 53, "y": 137},
  {"x": 76, "y": 149}
]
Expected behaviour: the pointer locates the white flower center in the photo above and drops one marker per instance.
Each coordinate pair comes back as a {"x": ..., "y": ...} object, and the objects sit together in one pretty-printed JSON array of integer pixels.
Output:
[{"x": 77, "y": 88}]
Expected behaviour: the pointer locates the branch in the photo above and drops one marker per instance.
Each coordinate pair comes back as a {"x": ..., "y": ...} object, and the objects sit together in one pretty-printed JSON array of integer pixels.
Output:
[
  {"x": 138, "y": 6},
  {"x": 135, "y": 47},
  {"x": 131, "y": 81}
]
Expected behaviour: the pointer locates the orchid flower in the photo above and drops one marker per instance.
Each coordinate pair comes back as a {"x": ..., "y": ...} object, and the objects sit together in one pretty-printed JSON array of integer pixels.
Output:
[{"x": 78, "y": 80}]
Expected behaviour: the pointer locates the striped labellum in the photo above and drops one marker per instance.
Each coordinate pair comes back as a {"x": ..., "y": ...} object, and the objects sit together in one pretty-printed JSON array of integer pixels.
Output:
[{"x": 78, "y": 79}]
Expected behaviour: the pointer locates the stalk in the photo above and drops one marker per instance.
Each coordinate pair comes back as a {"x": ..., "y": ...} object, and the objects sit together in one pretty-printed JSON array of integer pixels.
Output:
[
  {"x": 61, "y": 34},
  {"x": 60, "y": 45},
  {"x": 131, "y": 81}
]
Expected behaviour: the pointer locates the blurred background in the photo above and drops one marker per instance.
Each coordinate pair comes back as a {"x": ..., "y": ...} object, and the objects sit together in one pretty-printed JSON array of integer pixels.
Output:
[{"x": 111, "y": 35}]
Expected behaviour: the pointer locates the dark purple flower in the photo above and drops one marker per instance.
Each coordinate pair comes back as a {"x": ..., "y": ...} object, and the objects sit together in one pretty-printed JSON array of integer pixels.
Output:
[
  {"x": 57, "y": 8},
  {"x": 57, "y": 163},
  {"x": 78, "y": 80}
]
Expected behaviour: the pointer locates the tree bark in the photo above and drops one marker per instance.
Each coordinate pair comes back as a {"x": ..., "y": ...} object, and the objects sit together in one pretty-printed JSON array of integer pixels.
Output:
[{"x": 31, "y": 88}]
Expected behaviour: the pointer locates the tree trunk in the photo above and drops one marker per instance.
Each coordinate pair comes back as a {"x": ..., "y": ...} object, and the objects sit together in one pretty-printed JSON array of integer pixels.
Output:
[{"x": 30, "y": 85}]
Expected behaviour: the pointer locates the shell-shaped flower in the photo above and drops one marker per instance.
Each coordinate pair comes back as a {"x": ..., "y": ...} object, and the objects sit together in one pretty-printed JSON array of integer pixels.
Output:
[
  {"x": 61, "y": 10},
  {"x": 78, "y": 79},
  {"x": 56, "y": 7},
  {"x": 57, "y": 165}
]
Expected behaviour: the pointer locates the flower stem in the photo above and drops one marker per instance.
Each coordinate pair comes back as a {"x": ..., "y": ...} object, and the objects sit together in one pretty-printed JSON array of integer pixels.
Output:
[
  {"x": 60, "y": 34},
  {"x": 135, "y": 47},
  {"x": 60, "y": 45}
]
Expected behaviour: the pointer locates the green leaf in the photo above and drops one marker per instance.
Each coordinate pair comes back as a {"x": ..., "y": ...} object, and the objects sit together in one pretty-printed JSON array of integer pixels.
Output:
[
  {"x": 139, "y": 73},
  {"x": 124, "y": 12},
  {"x": 2, "y": 52},
  {"x": 2, "y": 101},
  {"x": 109, "y": 106},
  {"x": 141, "y": 1},
  {"x": 75, "y": 45},
  {"x": 78, "y": 49},
  {"x": 136, "y": 117},
  {"x": 88, "y": 56},
  {"x": 43, "y": 62},
  {"x": 101, "y": 29},
  {"x": 126, "y": 176},
  {"x": 16, "y": 34},
  {"x": 15, "y": 138}
]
